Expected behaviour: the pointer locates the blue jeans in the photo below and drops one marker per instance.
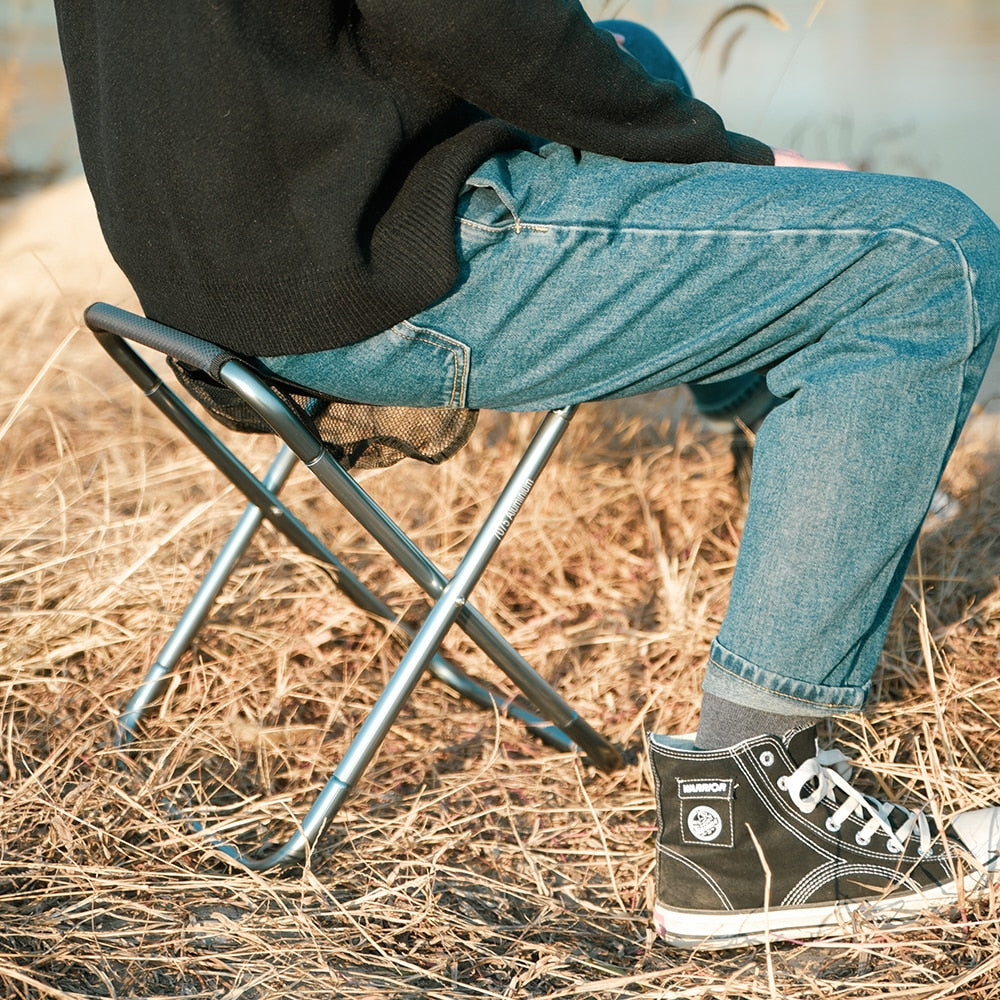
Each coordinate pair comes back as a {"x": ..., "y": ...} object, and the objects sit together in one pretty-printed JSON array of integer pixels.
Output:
[{"x": 872, "y": 303}]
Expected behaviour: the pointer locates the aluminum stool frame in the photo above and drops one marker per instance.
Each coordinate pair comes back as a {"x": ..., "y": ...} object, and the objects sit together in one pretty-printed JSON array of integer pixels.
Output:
[{"x": 558, "y": 724}]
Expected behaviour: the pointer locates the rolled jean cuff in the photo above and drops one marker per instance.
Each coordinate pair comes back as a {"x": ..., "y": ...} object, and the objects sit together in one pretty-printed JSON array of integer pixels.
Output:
[{"x": 738, "y": 680}]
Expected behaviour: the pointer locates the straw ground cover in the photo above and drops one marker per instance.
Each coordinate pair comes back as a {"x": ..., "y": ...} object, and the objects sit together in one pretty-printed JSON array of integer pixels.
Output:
[{"x": 472, "y": 861}]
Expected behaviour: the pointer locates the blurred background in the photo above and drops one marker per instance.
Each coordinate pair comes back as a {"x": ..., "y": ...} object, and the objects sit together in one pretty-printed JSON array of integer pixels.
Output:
[{"x": 901, "y": 86}]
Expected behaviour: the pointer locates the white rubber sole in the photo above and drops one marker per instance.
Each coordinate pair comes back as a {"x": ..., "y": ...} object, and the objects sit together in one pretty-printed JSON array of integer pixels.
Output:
[{"x": 716, "y": 930}]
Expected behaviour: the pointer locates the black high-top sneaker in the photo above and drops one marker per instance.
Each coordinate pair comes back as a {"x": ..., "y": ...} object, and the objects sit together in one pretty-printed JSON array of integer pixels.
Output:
[{"x": 768, "y": 840}]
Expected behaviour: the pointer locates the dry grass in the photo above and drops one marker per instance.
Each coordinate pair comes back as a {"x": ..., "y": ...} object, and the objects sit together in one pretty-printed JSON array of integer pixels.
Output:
[{"x": 472, "y": 861}]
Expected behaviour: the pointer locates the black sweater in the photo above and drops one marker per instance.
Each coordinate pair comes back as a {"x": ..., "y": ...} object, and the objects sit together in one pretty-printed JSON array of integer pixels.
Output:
[{"x": 281, "y": 177}]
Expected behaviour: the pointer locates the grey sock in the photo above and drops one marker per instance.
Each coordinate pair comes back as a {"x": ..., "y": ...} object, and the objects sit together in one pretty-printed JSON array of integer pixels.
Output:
[{"x": 724, "y": 723}]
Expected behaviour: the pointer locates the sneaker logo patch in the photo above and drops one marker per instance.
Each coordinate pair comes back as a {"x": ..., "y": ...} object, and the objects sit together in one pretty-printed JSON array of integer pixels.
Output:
[
  {"x": 704, "y": 824},
  {"x": 706, "y": 811}
]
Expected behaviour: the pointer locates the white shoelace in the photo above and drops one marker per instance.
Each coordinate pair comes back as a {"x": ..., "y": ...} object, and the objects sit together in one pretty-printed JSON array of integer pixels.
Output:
[{"x": 830, "y": 770}]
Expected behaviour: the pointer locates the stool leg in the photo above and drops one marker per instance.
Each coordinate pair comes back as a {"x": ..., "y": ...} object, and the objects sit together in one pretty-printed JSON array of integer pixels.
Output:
[
  {"x": 370, "y": 516},
  {"x": 198, "y": 608},
  {"x": 441, "y": 617}
]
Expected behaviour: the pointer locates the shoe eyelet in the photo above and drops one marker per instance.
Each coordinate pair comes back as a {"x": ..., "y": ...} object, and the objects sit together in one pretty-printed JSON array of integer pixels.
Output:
[
  {"x": 862, "y": 841},
  {"x": 783, "y": 783},
  {"x": 831, "y": 826},
  {"x": 767, "y": 758},
  {"x": 893, "y": 846}
]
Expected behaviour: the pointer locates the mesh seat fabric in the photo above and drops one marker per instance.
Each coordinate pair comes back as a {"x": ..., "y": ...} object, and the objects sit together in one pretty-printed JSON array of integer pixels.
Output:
[{"x": 358, "y": 435}]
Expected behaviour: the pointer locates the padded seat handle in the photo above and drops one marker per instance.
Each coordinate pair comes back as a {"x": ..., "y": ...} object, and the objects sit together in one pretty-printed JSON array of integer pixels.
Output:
[{"x": 191, "y": 351}]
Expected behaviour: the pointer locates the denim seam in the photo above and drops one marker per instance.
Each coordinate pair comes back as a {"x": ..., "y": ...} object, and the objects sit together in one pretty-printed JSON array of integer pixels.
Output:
[
  {"x": 975, "y": 335},
  {"x": 459, "y": 356},
  {"x": 755, "y": 233},
  {"x": 517, "y": 226}
]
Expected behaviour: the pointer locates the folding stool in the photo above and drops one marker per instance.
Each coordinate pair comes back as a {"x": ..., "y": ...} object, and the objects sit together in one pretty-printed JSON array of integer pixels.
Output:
[{"x": 235, "y": 390}]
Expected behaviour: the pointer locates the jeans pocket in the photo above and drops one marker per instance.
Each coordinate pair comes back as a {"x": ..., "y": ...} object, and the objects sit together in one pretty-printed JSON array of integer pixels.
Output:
[
  {"x": 406, "y": 365},
  {"x": 486, "y": 203},
  {"x": 429, "y": 367}
]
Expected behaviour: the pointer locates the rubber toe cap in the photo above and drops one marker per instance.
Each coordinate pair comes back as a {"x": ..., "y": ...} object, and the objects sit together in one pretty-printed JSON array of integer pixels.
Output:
[{"x": 979, "y": 831}]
